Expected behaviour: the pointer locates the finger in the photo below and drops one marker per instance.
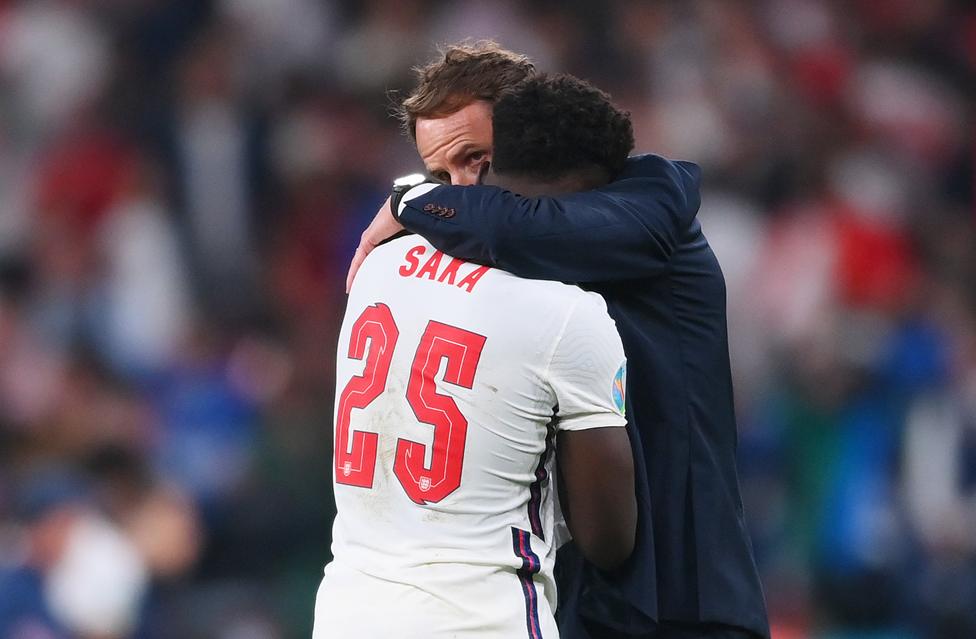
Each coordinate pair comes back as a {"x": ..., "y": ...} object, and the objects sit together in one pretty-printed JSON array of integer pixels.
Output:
[
  {"x": 357, "y": 261},
  {"x": 373, "y": 235}
]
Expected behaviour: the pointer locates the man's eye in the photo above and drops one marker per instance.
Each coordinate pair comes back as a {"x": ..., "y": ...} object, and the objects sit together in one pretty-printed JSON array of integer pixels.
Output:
[{"x": 477, "y": 156}]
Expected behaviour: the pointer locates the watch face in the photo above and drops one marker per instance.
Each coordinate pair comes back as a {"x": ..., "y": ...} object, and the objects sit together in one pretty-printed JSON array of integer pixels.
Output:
[{"x": 409, "y": 181}]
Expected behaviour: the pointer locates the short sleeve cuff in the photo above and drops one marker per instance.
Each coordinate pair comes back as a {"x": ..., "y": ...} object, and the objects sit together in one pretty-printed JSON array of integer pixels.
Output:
[{"x": 594, "y": 420}]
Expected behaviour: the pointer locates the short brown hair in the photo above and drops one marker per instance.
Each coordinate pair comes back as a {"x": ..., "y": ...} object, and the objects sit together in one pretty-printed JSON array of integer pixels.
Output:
[{"x": 461, "y": 74}]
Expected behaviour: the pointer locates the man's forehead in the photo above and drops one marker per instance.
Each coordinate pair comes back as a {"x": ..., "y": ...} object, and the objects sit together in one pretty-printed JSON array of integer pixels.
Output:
[{"x": 472, "y": 121}]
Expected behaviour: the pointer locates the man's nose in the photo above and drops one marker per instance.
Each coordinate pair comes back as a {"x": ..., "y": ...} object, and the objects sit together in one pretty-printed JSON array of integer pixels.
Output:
[{"x": 464, "y": 177}]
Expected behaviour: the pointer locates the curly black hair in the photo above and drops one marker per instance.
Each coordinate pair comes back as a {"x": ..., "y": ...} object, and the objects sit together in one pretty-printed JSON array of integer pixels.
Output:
[{"x": 550, "y": 125}]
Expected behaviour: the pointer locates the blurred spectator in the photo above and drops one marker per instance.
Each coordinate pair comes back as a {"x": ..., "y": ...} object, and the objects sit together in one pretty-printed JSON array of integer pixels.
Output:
[
  {"x": 56, "y": 58},
  {"x": 216, "y": 154},
  {"x": 146, "y": 297},
  {"x": 79, "y": 575}
]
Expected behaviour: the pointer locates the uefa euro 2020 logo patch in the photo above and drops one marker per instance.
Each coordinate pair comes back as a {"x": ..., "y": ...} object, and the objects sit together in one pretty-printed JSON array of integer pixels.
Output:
[{"x": 618, "y": 390}]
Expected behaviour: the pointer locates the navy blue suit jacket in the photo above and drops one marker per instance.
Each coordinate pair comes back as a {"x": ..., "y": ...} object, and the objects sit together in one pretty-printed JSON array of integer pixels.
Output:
[{"x": 638, "y": 243}]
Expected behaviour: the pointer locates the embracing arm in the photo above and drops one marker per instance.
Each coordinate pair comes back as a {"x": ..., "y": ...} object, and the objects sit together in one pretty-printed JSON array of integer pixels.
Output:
[{"x": 626, "y": 229}]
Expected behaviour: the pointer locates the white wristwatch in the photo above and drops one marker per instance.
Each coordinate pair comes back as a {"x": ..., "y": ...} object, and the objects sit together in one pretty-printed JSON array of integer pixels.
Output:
[{"x": 403, "y": 184}]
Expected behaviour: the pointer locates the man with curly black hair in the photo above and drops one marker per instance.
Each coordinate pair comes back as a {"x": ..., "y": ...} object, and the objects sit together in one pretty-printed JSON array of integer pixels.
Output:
[{"x": 558, "y": 134}]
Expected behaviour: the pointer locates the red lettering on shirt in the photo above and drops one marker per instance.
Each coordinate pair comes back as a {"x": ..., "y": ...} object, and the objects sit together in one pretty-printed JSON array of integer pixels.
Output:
[
  {"x": 473, "y": 277},
  {"x": 430, "y": 268},
  {"x": 413, "y": 261},
  {"x": 451, "y": 271}
]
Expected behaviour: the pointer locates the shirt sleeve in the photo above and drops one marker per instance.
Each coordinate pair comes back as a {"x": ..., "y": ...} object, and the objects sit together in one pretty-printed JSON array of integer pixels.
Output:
[
  {"x": 627, "y": 229},
  {"x": 587, "y": 372}
]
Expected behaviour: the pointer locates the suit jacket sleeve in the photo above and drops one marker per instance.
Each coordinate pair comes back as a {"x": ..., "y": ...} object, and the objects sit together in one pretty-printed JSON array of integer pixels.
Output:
[{"x": 626, "y": 229}]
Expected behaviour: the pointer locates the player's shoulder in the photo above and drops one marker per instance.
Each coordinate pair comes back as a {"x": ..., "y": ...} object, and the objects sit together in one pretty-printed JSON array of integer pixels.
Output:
[
  {"x": 573, "y": 309},
  {"x": 588, "y": 311},
  {"x": 544, "y": 297}
]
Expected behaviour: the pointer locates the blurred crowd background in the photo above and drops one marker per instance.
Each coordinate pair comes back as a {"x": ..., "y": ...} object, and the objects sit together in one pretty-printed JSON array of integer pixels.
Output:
[{"x": 183, "y": 182}]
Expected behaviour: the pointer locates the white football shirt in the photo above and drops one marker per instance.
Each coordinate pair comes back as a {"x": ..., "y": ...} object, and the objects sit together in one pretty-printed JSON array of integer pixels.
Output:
[{"x": 453, "y": 381}]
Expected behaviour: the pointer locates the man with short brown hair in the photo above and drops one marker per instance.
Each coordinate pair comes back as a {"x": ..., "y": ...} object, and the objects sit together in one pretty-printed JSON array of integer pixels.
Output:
[
  {"x": 448, "y": 114},
  {"x": 463, "y": 74},
  {"x": 637, "y": 242}
]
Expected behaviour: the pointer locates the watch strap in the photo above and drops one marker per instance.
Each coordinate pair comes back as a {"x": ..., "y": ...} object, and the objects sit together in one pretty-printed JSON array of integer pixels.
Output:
[{"x": 400, "y": 197}]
